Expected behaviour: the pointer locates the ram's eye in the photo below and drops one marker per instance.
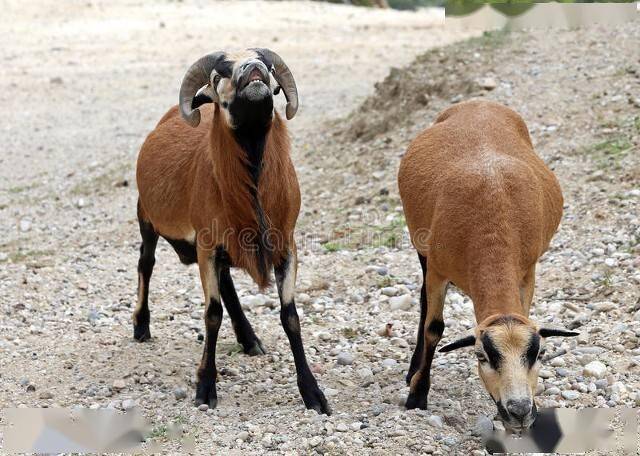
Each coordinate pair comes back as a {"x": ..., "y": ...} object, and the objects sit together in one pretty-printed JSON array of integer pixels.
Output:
[
  {"x": 481, "y": 357},
  {"x": 216, "y": 80}
]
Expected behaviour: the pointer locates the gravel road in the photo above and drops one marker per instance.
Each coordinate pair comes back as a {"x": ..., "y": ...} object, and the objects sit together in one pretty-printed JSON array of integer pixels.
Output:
[{"x": 84, "y": 82}]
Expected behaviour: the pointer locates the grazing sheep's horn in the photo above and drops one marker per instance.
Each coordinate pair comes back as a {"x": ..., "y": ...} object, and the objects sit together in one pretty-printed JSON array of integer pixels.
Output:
[
  {"x": 285, "y": 80},
  {"x": 197, "y": 76}
]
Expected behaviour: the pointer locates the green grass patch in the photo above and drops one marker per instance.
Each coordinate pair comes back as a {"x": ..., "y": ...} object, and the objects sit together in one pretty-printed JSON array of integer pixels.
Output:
[
  {"x": 25, "y": 256},
  {"x": 158, "y": 432},
  {"x": 608, "y": 154},
  {"x": 333, "y": 246}
]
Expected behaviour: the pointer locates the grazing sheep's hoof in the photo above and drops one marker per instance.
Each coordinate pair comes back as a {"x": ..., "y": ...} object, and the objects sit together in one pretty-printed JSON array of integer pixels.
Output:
[
  {"x": 206, "y": 394},
  {"x": 141, "y": 333},
  {"x": 315, "y": 400},
  {"x": 418, "y": 401},
  {"x": 255, "y": 348}
]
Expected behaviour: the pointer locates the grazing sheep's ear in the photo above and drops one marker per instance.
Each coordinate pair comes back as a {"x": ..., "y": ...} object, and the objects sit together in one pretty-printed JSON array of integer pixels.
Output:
[
  {"x": 550, "y": 332},
  {"x": 464, "y": 342}
]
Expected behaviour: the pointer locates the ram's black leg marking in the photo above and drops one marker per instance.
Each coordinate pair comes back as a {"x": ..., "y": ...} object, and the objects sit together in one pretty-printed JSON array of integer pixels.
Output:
[
  {"x": 436, "y": 288},
  {"x": 207, "y": 372},
  {"x": 146, "y": 262},
  {"x": 417, "y": 354},
  {"x": 285, "y": 279},
  {"x": 241, "y": 326},
  {"x": 421, "y": 380}
]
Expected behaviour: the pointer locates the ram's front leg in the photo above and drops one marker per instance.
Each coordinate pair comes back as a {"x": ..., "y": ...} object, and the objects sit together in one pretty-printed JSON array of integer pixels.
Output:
[
  {"x": 285, "y": 279},
  {"x": 208, "y": 262}
]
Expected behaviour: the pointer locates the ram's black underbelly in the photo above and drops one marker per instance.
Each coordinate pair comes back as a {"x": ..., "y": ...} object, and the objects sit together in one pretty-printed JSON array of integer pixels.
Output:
[{"x": 186, "y": 251}]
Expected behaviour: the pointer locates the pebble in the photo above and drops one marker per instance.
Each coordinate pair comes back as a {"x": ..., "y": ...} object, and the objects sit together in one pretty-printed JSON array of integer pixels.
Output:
[
  {"x": 488, "y": 83},
  {"x": 45, "y": 395},
  {"x": 389, "y": 362},
  {"x": 366, "y": 375},
  {"x": 570, "y": 395},
  {"x": 545, "y": 373},
  {"x": 552, "y": 391},
  {"x": 389, "y": 291},
  {"x": 602, "y": 383},
  {"x": 203, "y": 407},
  {"x": 25, "y": 225},
  {"x": 482, "y": 426},
  {"x": 243, "y": 436},
  {"x": 595, "y": 369},
  {"x": 119, "y": 384},
  {"x": 618, "y": 388},
  {"x": 435, "y": 421},
  {"x": 315, "y": 441},
  {"x": 180, "y": 393},
  {"x": 341, "y": 427},
  {"x": 345, "y": 359},
  {"x": 402, "y": 302}
]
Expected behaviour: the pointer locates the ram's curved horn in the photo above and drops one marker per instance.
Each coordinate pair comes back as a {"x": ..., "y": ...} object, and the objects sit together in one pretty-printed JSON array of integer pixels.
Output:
[
  {"x": 284, "y": 78},
  {"x": 197, "y": 76}
]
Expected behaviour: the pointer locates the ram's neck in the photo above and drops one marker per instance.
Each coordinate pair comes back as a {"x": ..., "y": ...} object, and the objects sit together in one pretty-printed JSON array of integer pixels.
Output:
[{"x": 252, "y": 140}]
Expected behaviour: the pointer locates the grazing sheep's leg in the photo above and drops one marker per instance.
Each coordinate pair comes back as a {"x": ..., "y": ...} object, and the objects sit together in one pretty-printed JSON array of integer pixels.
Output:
[
  {"x": 527, "y": 289},
  {"x": 433, "y": 329},
  {"x": 208, "y": 263},
  {"x": 241, "y": 326},
  {"x": 146, "y": 262},
  {"x": 285, "y": 280},
  {"x": 417, "y": 354}
]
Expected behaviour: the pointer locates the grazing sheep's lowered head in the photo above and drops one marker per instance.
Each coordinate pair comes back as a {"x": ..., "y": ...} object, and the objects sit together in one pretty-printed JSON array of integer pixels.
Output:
[
  {"x": 241, "y": 83},
  {"x": 508, "y": 349}
]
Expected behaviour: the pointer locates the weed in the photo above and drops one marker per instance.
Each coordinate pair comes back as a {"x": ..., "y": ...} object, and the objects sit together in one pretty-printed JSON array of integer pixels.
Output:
[
  {"x": 333, "y": 246},
  {"x": 350, "y": 333}
]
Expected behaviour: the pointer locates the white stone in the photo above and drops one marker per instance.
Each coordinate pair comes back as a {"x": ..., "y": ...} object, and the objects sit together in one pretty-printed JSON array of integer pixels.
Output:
[
  {"x": 595, "y": 369},
  {"x": 401, "y": 302}
]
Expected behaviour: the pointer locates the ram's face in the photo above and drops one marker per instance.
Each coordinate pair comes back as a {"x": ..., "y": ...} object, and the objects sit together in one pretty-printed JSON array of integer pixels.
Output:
[
  {"x": 508, "y": 354},
  {"x": 244, "y": 89}
]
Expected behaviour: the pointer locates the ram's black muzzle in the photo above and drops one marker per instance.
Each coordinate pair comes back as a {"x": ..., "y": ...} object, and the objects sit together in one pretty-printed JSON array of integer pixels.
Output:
[{"x": 254, "y": 71}]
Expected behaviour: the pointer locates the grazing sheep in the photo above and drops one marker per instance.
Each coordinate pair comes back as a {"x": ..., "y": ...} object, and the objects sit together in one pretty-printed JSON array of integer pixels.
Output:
[
  {"x": 217, "y": 182},
  {"x": 481, "y": 208}
]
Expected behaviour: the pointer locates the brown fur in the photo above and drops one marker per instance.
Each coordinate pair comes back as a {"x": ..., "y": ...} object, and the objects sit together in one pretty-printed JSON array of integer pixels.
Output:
[
  {"x": 480, "y": 204},
  {"x": 195, "y": 181},
  {"x": 481, "y": 207}
]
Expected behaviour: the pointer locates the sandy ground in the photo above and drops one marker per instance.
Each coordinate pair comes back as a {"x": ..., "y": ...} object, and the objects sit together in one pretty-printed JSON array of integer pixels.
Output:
[{"x": 82, "y": 83}]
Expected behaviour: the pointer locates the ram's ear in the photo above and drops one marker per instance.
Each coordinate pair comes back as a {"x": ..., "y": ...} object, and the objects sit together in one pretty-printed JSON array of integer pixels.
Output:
[
  {"x": 464, "y": 342},
  {"x": 550, "y": 332},
  {"x": 203, "y": 96}
]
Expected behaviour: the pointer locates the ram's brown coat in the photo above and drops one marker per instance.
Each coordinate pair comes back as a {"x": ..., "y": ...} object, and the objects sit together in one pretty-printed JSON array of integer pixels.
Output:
[{"x": 196, "y": 182}]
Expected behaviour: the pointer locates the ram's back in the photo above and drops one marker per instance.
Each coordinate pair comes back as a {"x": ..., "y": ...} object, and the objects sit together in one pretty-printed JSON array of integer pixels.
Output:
[{"x": 472, "y": 181}]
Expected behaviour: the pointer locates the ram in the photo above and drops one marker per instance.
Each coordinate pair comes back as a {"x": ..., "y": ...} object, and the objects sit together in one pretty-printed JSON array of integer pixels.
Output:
[
  {"x": 481, "y": 208},
  {"x": 215, "y": 179}
]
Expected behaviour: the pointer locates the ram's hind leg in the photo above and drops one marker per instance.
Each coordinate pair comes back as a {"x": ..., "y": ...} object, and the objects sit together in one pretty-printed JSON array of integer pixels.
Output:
[
  {"x": 241, "y": 326},
  {"x": 417, "y": 354},
  {"x": 146, "y": 262}
]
